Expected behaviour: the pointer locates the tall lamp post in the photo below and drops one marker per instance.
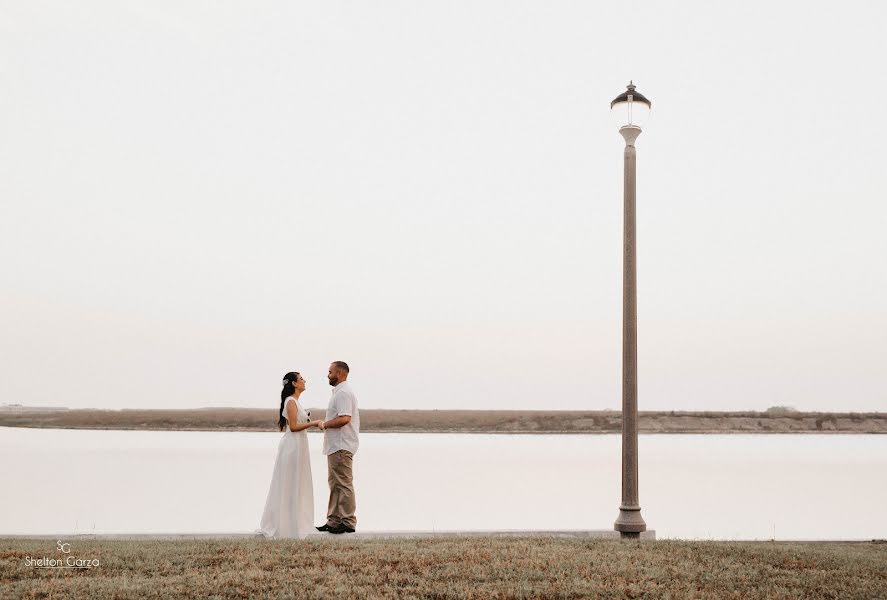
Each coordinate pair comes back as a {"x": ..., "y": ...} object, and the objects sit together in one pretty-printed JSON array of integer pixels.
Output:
[{"x": 631, "y": 107}]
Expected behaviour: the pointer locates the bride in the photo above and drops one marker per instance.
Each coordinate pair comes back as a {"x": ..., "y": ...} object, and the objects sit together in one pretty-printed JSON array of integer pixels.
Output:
[{"x": 289, "y": 509}]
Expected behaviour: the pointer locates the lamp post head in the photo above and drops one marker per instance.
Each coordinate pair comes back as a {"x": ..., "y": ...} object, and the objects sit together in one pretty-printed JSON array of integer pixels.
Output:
[{"x": 631, "y": 108}]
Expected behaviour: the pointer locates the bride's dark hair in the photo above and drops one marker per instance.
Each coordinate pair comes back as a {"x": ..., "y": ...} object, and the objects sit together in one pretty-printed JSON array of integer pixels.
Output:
[{"x": 289, "y": 387}]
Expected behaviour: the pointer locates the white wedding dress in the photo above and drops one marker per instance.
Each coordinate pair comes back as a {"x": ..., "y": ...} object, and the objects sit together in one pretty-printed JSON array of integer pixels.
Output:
[{"x": 289, "y": 509}]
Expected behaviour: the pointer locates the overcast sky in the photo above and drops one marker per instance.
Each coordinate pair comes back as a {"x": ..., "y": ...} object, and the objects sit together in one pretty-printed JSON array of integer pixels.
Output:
[{"x": 196, "y": 197}]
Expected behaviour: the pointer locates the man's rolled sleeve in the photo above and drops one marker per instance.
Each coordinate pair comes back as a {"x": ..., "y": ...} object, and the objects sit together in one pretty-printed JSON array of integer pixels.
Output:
[{"x": 344, "y": 405}]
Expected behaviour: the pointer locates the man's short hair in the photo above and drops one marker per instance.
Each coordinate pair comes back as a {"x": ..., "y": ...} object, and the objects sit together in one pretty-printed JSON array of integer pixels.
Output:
[{"x": 342, "y": 365}]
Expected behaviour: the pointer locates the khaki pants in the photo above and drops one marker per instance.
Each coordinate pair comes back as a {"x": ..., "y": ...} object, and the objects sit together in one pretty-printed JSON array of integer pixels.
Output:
[{"x": 342, "y": 502}]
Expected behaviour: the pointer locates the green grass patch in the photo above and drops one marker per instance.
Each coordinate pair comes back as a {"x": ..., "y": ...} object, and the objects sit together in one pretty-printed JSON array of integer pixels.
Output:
[{"x": 447, "y": 568}]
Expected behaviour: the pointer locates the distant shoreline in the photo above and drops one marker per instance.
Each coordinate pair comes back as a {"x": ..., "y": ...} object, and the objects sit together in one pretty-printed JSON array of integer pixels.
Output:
[{"x": 456, "y": 421}]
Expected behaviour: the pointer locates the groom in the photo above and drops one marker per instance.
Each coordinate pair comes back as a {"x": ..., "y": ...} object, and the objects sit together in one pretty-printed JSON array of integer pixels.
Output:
[{"x": 340, "y": 441}]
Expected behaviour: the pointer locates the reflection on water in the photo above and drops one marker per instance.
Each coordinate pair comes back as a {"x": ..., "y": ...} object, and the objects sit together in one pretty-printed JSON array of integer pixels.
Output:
[{"x": 691, "y": 486}]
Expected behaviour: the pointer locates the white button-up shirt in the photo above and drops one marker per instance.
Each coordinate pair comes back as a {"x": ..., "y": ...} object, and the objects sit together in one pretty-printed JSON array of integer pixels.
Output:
[{"x": 342, "y": 402}]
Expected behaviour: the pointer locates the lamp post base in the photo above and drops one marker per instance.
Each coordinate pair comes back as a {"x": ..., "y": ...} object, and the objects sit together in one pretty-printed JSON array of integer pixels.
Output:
[{"x": 630, "y": 523}]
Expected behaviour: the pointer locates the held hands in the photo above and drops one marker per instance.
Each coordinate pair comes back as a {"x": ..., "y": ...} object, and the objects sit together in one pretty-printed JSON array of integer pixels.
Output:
[{"x": 319, "y": 425}]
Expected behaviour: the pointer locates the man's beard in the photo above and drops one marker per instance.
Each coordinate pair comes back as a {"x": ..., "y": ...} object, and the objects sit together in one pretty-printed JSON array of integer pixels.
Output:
[{"x": 333, "y": 381}]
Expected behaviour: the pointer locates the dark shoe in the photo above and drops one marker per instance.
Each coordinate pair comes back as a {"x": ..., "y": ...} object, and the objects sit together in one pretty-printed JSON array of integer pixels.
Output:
[
  {"x": 341, "y": 529},
  {"x": 323, "y": 527}
]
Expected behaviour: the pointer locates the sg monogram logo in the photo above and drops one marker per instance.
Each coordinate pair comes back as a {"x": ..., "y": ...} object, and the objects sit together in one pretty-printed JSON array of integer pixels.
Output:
[{"x": 70, "y": 561}]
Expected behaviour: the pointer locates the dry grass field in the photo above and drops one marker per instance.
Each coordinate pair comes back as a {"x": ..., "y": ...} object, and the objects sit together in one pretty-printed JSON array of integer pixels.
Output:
[
  {"x": 466, "y": 421},
  {"x": 448, "y": 568}
]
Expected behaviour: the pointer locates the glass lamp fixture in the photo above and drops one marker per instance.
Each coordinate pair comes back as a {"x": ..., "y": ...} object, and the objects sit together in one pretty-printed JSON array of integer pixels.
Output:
[{"x": 631, "y": 108}]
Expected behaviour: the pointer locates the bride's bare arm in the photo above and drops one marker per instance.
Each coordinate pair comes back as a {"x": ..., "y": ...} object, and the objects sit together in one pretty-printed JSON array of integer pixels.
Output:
[{"x": 292, "y": 418}]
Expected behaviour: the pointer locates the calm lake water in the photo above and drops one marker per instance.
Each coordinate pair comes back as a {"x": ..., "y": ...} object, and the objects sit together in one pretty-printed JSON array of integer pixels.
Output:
[{"x": 691, "y": 486}]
